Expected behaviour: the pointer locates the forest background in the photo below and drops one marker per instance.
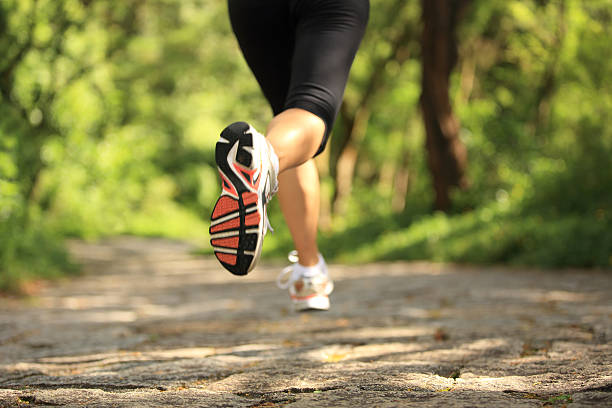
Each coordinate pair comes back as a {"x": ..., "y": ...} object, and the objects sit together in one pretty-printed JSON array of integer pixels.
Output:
[{"x": 495, "y": 149}]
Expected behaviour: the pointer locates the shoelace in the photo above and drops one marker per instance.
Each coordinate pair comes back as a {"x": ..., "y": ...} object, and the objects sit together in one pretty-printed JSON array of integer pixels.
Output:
[
  {"x": 268, "y": 196},
  {"x": 269, "y": 191},
  {"x": 268, "y": 225},
  {"x": 287, "y": 276}
]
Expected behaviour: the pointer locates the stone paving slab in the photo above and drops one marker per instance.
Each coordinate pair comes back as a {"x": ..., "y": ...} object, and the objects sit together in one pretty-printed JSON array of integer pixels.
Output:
[{"x": 150, "y": 324}]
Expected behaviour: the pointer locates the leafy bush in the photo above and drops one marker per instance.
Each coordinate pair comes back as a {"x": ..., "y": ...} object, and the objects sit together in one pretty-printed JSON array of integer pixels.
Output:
[{"x": 29, "y": 254}]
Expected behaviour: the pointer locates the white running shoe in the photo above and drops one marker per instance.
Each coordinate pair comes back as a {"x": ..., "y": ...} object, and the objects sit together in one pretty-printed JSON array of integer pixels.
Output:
[
  {"x": 309, "y": 287},
  {"x": 248, "y": 167}
]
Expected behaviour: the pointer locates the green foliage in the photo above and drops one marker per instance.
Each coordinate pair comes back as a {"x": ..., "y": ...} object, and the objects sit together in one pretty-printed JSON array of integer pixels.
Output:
[
  {"x": 490, "y": 235},
  {"x": 531, "y": 95},
  {"x": 34, "y": 253},
  {"x": 558, "y": 400},
  {"x": 109, "y": 111}
]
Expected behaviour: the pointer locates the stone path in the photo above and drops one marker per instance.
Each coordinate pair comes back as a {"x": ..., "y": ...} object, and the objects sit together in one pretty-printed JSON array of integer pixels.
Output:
[{"x": 152, "y": 325}]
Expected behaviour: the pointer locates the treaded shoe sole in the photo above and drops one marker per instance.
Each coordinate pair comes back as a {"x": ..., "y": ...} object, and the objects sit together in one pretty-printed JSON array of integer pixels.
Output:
[{"x": 237, "y": 223}]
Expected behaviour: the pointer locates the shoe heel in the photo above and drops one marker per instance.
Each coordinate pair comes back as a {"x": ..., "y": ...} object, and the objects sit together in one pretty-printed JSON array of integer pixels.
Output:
[
  {"x": 311, "y": 304},
  {"x": 236, "y": 132},
  {"x": 229, "y": 136},
  {"x": 232, "y": 134}
]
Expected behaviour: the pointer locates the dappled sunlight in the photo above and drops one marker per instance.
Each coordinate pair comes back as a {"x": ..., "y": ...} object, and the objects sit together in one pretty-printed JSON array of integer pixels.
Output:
[
  {"x": 464, "y": 175},
  {"x": 108, "y": 316},
  {"x": 535, "y": 295},
  {"x": 385, "y": 332},
  {"x": 173, "y": 323}
]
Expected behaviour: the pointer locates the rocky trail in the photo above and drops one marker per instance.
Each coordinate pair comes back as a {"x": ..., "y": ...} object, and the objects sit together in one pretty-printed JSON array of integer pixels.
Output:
[{"x": 151, "y": 324}]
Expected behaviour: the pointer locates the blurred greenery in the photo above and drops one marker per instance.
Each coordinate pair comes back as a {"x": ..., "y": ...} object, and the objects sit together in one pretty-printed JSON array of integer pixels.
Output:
[{"x": 109, "y": 112}]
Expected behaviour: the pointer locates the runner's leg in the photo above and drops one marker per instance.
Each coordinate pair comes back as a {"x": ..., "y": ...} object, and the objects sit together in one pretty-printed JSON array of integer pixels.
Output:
[
  {"x": 328, "y": 33},
  {"x": 317, "y": 53},
  {"x": 300, "y": 201}
]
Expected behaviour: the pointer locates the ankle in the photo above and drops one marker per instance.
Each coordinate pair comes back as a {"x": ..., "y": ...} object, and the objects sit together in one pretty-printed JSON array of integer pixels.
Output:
[
  {"x": 314, "y": 270},
  {"x": 308, "y": 259}
]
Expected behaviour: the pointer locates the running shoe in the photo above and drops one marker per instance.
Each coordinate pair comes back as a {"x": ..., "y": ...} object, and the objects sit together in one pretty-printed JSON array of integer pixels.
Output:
[
  {"x": 249, "y": 180},
  {"x": 309, "y": 287}
]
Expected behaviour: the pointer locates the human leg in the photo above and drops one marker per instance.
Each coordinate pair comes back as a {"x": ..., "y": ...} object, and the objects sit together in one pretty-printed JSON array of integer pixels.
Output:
[
  {"x": 296, "y": 135},
  {"x": 238, "y": 221},
  {"x": 327, "y": 35},
  {"x": 266, "y": 37},
  {"x": 300, "y": 53},
  {"x": 299, "y": 201},
  {"x": 316, "y": 42}
]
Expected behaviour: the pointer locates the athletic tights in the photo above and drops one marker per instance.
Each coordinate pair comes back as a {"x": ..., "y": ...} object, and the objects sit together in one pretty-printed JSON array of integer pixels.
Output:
[{"x": 301, "y": 51}]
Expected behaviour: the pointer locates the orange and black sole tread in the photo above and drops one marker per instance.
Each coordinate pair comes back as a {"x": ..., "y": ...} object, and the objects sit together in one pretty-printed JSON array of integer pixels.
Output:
[
  {"x": 240, "y": 241},
  {"x": 232, "y": 233}
]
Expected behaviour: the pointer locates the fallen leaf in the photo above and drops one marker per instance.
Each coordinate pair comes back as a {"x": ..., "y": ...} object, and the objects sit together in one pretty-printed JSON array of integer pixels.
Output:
[{"x": 440, "y": 335}]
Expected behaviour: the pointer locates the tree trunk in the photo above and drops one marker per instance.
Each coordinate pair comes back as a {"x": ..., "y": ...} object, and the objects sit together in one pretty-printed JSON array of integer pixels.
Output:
[
  {"x": 548, "y": 85},
  {"x": 345, "y": 165},
  {"x": 356, "y": 119},
  {"x": 446, "y": 154}
]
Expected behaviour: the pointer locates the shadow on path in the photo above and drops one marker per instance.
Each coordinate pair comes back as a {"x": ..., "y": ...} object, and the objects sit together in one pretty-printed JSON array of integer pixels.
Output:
[{"x": 150, "y": 324}]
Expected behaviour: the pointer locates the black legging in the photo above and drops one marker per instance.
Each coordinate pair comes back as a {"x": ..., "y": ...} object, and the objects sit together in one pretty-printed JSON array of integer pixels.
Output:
[{"x": 301, "y": 51}]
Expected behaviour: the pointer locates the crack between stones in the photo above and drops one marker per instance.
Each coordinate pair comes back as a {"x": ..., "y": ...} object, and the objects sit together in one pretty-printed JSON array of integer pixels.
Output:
[
  {"x": 21, "y": 377},
  {"x": 85, "y": 386},
  {"x": 281, "y": 396},
  {"x": 601, "y": 388}
]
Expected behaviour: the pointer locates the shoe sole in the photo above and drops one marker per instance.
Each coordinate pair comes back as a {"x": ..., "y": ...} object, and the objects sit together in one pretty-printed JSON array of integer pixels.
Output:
[
  {"x": 311, "y": 304},
  {"x": 237, "y": 222}
]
